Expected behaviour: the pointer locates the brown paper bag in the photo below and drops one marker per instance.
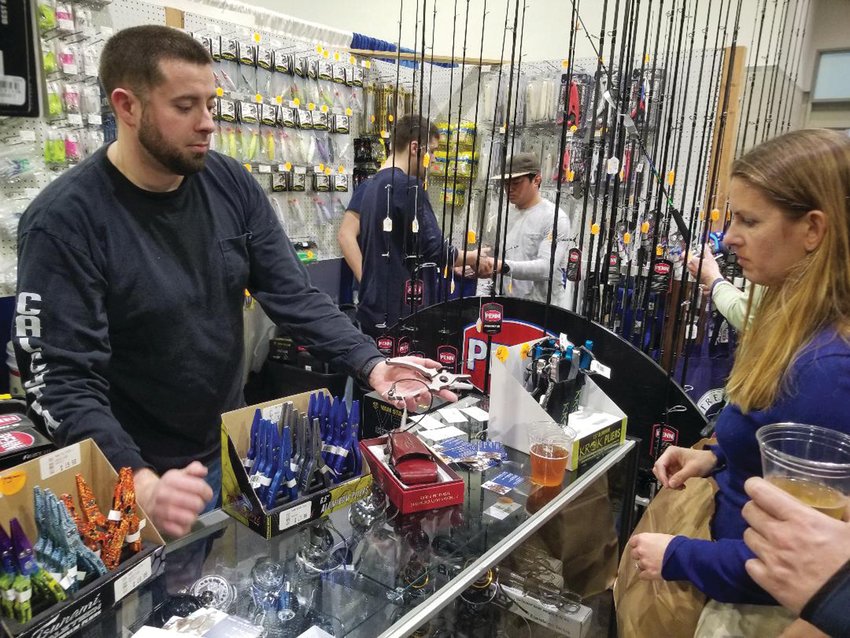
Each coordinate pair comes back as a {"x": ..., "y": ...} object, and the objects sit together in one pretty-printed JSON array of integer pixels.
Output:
[{"x": 646, "y": 609}]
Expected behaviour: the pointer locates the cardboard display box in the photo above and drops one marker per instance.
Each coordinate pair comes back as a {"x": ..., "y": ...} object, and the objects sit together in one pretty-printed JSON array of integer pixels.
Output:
[
  {"x": 57, "y": 471},
  {"x": 599, "y": 423},
  {"x": 238, "y": 497},
  {"x": 412, "y": 498}
]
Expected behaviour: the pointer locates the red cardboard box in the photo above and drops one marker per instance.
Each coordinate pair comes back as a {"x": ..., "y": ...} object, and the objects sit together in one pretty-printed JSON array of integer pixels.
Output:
[{"x": 412, "y": 498}]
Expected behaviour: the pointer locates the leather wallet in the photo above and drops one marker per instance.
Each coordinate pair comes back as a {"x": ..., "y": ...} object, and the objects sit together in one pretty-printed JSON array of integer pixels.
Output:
[{"x": 411, "y": 461}]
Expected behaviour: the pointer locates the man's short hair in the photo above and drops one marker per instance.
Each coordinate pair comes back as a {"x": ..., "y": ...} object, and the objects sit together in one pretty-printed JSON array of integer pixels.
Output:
[
  {"x": 411, "y": 128},
  {"x": 131, "y": 57}
]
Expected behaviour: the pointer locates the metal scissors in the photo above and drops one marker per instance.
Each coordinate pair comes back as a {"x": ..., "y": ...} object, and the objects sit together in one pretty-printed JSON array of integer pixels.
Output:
[{"x": 438, "y": 378}]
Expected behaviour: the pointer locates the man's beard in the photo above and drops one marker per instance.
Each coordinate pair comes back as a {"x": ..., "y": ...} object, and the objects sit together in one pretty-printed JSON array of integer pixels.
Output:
[{"x": 159, "y": 148}]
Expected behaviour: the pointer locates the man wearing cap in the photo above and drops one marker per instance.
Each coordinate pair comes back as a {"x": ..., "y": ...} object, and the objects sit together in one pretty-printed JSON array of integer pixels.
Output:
[{"x": 524, "y": 270}]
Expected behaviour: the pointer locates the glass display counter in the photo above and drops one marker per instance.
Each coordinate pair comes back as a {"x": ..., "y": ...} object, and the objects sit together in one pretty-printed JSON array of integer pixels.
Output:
[{"x": 367, "y": 571}]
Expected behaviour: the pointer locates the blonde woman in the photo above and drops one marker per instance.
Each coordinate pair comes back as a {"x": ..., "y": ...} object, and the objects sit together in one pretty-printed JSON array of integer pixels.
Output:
[{"x": 791, "y": 232}]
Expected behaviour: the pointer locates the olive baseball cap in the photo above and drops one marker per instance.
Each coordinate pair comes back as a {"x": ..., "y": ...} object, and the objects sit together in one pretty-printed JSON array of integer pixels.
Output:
[{"x": 520, "y": 164}]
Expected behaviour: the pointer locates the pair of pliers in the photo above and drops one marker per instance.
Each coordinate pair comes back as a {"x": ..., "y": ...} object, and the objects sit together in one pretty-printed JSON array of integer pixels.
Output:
[{"x": 438, "y": 379}]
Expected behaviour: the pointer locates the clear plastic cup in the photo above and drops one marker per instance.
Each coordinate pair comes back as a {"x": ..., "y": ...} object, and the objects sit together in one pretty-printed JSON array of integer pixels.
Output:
[
  {"x": 549, "y": 447},
  {"x": 809, "y": 462}
]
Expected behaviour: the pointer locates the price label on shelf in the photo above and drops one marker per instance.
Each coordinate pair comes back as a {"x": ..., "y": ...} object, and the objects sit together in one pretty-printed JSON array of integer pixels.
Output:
[
  {"x": 59, "y": 461},
  {"x": 294, "y": 515},
  {"x": 132, "y": 579}
]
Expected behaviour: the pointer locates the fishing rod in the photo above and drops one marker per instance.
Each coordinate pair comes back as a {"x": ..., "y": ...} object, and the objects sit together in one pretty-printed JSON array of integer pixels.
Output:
[
  {"x": 651, "y": 305},
  {"x": 566, "y": 84},
  {"x": 609, "y": 165},
  {"x": 595, "y": 158},
  {"x": 388, "y": 221},
  {"x": 759, "y": 111},
  {"x": 466, "y": 238},
  {"x": 721, "y": 128},
  {"x": 650, "y": 91},
  {"x": 776, "y": 124},
  {"x": 800, "y": 40},
  {"x": 699, "y": 193},
  {"x": 620, "y": 134},
  {"x": 742, "y": 139},
  {"x": 512, "y": 130},
  {"x": 502, "y": 190},
  {"x": 696, "y": 193},
  {"x": 504, "y": 151},
  {"x": 450, "y": 271},
  {"x": 769, "y": 124}
]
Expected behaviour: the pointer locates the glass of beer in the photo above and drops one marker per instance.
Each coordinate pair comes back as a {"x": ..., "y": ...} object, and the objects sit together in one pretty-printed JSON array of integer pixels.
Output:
[
  {"x": 549, "y": 446},
  {"x": 809, "y": 462}
]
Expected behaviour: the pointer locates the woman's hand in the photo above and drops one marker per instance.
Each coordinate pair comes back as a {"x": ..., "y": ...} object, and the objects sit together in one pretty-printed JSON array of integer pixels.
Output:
[
  {"x": 678, "y": 464},
  {"x": 709, "y": 272},
  {"x": 648, "y": 553}
]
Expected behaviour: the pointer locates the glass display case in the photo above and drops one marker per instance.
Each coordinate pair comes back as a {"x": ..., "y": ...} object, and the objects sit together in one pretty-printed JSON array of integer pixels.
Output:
[{"x": 367, "y": 571}]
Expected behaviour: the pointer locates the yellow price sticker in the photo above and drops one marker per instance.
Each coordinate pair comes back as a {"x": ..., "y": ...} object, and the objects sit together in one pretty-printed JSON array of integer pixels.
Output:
[
  {"x": 319, "y": 48},
  {"x": 594, "y": 229},
  {"x": 340, "y": 169},
  {"x": 671, "y": 177},
  {"x": 372, "y": 119},
  {"x": 278, "y": 99},
  {"x": 311, "y": 105},
  {"x": 326, "y": 54},
  {"x": 646, "y": 58},
  {"x": 368, "y": 64},
  {"x": 627, "y": 238},
  {"x": 525, "y": 350},
  {"x": 571, "y": 175},
  {"x": 426, "y": 161},
  {"x": 644, "y": 228},
  {"x": 219, "y": 91},
  {"x": 390, "y": 118},
  {"x": 310, "y": 254},
  {"x": 715, "y": 214},
  {"x": 257, "y": 37},
  {"x": 573, "y": 128},
  {"x": 470, "y": 237},
  {"x": 336, "y": 56},
  {"x": 622, "y": 174},
  {"x": 321, "y": 168},
  {"x": 352, "y": 59},
  {"x": 248, "y": 167},
  {"x": 288, "y": 166},
  {"x": 12, "y": 482},
  {"x": 502, "y": 353},
  {"x": 348, "y": 111},
  {"x": 565, "y": 64},
  {"x": 296, "y": 102},
  {"x": 659, "y": 251},
  {"x": 258, "y": 98},
  {"x": 702, "y": 215},
  {"x": 328, "y": 170},
  {"x": 324, "y": 108}
]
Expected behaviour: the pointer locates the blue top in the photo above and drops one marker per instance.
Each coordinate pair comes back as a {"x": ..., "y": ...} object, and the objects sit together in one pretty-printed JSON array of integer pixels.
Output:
[
  {"x": 129, "y": 313},
  {"x": 382, "y": 285},
  {"x": 817, "y": 392}
]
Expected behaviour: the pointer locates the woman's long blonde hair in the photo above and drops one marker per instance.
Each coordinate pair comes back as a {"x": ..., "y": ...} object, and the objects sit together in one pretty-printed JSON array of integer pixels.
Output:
[{"x": 799, "y": 172}]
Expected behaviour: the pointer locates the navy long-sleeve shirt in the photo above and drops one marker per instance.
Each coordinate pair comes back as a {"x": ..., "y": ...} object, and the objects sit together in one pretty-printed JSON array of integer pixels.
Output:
[
  {"x": 382, "y": 286},
  {"x": 128, "y": 323},
  {"x": 817, "y": 392}
]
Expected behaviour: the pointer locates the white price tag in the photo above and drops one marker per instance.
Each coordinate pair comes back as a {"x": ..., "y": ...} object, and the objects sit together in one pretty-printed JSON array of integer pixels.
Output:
[
  {"x": 95, "y": 119},
  {"x": 272, "y": 412},
  {"x": 13, "y": 90},
  {"x": 132, "y": 579},
  {"x": 598, "y": 368},
  {"x": 26, "y": 136},
  {"x": 264, "y": 168},
  {"x": 59, "y": 461},
  {"x": 415, "y": 225},
  {"x": 294, "y": 515},
  {"x": 75, "y": 119},
  {"x": 69, "y": 69},
  {"x": 388, "y": 225}
]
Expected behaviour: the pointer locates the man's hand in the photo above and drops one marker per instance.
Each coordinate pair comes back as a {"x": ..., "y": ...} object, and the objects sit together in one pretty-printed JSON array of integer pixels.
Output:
[
  {"x": 648, "y": 553},
  {"x": 383, "y": 376},
  {"x": 173, "y": 500},
  {"x": 798, "y": 548},
  {"x": 710, "y": 270},
  {"x": 677, "y": 464},
  {"x": 486, "y": 267}
]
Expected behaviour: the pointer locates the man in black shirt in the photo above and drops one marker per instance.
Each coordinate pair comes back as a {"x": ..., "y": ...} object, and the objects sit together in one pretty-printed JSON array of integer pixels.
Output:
[{"x": 132, "y": 268}]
